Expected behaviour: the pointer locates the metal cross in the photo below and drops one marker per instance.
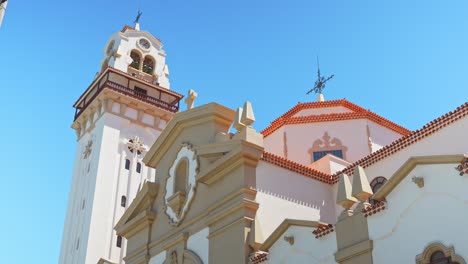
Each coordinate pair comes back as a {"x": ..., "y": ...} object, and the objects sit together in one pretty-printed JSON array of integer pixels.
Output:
[{"x": 321, "y": 81}]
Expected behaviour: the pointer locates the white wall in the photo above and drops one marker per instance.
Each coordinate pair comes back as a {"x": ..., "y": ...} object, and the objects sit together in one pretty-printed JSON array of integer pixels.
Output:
[
  {"x": 286, "y": 194},
  {"x": 158, "y": 259},
  {"x": 417, "y": 217},
  {"x": 306, "y": 248},
  {"x": 199, "y": 244}
]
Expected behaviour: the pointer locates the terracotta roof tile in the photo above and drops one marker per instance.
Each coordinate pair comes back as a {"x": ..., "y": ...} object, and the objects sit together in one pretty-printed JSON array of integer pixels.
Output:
[
  {"x": 127, "y": 27},
  {"x": 258, "y": 257},
  {"x": 374, "y": 209},
  {"x": 403, "y": 142},
  {"x": 296, "y": 167},
  {"x": 358, "y": 113},
  {"x": 322, "y": 231}
]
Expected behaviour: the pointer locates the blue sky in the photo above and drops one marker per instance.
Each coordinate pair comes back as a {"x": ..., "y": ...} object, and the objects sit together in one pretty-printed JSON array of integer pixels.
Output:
[{"x": 405, "y": 60}]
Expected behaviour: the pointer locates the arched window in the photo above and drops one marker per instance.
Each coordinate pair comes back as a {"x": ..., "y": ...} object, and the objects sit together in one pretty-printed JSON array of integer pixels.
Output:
[
  {"x": 181, "y": 176},
  {"x": 438, "y": 257},
  {"x": 127, "y": 164},
  {"x": 136, "y": 58},
  {"x": 437, "y": 253},
  {"x": 148, "y": 65},
  {"x": 376, "y": 184}
]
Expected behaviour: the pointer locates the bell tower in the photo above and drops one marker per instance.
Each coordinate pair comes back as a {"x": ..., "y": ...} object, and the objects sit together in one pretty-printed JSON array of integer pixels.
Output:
[{"x": 117, "y": 119}]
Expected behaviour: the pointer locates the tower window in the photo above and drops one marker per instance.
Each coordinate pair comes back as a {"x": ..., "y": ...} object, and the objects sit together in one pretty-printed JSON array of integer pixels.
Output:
[
  {"x": 123, "y": 201},
  {"x": 127, "y": 164},
  {"x": 138, "y": 167},
  {"x": 83, "y": 203},
  {"x": 77, "y": 246},
  {"x": 119, "y": 242},
  {"x": 148, "y": 65},
  {"x": 135, "y": 60}
]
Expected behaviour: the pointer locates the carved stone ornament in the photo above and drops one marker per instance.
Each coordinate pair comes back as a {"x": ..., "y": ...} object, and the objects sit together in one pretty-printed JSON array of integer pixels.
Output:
[
  {"x": 463, "y": 167},
  {"x": 136, "y": 146},
  {"x": 177, "y": 201},
  {"x": 289, "y": 239},
  {"x": 88, "y": 149},
  {"x": 448, "y": 252},
  {"x": 326, "y": 144},
  {"x": 419, "y": 181}
]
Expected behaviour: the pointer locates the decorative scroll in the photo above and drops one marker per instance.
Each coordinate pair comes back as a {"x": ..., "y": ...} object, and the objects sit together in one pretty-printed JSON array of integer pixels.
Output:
[{"x": 327, "y": 144}]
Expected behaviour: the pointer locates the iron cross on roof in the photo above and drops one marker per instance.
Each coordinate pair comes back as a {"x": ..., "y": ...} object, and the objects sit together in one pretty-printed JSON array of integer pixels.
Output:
[{"x": 321, "y": 81}]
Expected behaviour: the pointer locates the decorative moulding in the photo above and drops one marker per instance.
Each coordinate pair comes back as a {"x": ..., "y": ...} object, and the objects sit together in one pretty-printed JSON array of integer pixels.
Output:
[
  {"x": 177, "y": 203},
  {"x": 425, "y": 257},
  {"x": 419, "y": 181}
]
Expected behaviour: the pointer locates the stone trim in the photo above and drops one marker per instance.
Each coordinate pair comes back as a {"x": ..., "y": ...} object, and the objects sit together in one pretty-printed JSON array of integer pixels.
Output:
[
  {"x": 408, "y": 166},
  {"x": 354, "y": 250},
  {"x": 424, "y": 258}
]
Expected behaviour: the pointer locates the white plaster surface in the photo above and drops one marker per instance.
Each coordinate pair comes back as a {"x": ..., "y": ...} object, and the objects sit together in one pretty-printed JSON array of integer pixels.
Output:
[
  {"x": 306, "y": 248},
  {"x": 158, "y": 259},
  {"x": 199, "y": 244},
  {"x": 322, "y": 111},
  {"x": 417, "y": 217}
]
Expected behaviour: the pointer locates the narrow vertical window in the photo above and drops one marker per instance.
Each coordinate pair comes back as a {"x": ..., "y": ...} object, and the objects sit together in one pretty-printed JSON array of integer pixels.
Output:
[
  {"x": 77, "y": 244},
  {"x": 119, "y": 242},
  {"x": 138, "y": 167},
  {"x": 83, "y": 203},
  {"x": 127, "y": 164},
  {"x": 123, "y": 201}
]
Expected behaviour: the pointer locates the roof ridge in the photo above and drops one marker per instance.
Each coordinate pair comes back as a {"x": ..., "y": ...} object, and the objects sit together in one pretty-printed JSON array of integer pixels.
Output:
[
  {"x": 297, "y": 167},
  {"x": 405, "y": 141},
  {"x": 358, "y": 112}
]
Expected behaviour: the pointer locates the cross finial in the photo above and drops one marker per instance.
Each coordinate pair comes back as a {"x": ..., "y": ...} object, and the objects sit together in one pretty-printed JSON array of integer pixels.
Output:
[
  {"x": 137, "y": 19},
  {"x": 320, "y": 83},
  {"x": 191, "y": 96}
]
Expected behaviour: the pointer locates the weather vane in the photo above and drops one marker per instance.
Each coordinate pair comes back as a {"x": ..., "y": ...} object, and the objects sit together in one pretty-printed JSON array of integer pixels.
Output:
[
  {"x": 137, "y": 19},
  {"x": 321, "y": 81}
]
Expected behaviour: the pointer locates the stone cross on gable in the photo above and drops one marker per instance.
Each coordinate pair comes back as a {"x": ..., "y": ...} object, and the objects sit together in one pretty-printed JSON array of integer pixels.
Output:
[{"x": 191, "y": 96}]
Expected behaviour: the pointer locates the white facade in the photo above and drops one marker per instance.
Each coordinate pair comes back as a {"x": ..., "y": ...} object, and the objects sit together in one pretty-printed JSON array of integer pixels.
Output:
[{"x": 114, "y": 131}]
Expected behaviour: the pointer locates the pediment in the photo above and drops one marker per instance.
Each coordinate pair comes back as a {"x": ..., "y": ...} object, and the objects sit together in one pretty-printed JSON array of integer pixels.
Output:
[
  {"x": 408, "y": 166},
  {"x": 140, "y": 213},
  {"x": 213, "y": 118}
]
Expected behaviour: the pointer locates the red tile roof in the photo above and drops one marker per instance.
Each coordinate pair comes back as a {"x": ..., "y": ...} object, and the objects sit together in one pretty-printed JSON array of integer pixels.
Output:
[
  {"x": 259, "y": 257},
  {"x": 296, "y": 167},
  {"x": 126, "y": 27},
  {"x": 358, "y": 113},
  {"x": 322, "y": 231},
  {"x": 374, "y": 209},
  {"x": 403, "y": 142}
]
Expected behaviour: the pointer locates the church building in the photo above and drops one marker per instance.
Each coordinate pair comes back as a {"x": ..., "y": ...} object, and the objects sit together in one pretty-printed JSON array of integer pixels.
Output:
[{"x": 326, "y": 182}]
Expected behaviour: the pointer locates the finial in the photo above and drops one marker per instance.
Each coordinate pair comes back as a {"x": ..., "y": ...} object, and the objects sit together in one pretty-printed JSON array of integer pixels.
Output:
[
  {"x": 344, "y": 197},
  {"x": 320, "y": 84},
  {"x": 238, "y": 125},
  {"x": 247, "y": 115},
  {"x": 361, "y": 187},
  {"x": 191, "y": 96},
  {"x": 3, "y": 5},
  {"x": 137, "y": 19}
]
